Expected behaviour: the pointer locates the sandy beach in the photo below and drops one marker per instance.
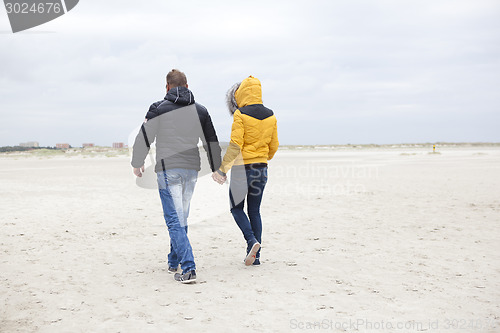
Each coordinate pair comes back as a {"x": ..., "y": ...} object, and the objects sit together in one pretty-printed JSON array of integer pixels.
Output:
[{"x": 355, "y": 240}]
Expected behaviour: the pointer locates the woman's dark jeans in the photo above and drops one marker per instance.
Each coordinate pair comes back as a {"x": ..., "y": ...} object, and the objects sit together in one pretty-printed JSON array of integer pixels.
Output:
[{"x": 248, "y": 183}]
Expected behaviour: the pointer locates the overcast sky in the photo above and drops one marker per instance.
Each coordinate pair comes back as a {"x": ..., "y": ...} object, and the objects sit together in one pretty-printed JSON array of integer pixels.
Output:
[{"x": 334, "y": 72}]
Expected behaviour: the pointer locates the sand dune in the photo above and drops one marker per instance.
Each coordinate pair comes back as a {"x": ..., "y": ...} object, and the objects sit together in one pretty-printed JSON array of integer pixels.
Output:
[{"x": 393, "y": 240}]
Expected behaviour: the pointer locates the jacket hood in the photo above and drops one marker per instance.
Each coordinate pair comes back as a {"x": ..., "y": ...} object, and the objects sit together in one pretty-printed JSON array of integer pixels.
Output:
[
  {"x": 249, "y": 92},
  {"x": 180, "y": 95}
]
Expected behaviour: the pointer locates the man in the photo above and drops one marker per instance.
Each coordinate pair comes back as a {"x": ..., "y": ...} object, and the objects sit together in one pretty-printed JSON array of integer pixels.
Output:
[
  {"x": 177, "y": 123},
  {"x": 254, "y": 141}
]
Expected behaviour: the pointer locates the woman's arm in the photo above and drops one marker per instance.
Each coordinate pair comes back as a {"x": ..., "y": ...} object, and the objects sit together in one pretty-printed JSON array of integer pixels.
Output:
[{"x": 236, "y": 143}]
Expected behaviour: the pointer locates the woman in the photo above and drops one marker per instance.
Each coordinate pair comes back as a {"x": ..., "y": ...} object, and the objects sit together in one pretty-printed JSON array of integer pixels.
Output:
[{"x": 254, "y": 141}]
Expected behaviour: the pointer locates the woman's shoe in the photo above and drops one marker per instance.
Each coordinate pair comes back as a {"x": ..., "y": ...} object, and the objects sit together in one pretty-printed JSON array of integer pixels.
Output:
[{"x": 251, "y": 256}]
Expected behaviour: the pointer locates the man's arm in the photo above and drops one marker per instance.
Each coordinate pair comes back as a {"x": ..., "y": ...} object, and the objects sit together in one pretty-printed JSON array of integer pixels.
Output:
[
  {"x": 143, "y": 141},
  {"x": 211, "y": 143}
]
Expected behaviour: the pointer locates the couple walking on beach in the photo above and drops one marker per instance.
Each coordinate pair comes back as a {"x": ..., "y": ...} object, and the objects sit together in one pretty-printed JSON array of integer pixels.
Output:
[{"x": 177, "y": 123}]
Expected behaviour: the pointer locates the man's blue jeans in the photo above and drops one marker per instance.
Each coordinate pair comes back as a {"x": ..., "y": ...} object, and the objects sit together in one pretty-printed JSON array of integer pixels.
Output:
[
  {"x": 176, "y": 188},
  {"x": 248, "y": 184}
]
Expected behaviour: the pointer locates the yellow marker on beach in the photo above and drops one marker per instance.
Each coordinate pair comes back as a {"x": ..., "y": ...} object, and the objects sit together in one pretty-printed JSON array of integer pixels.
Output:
[{"x": 433, "y": 148}]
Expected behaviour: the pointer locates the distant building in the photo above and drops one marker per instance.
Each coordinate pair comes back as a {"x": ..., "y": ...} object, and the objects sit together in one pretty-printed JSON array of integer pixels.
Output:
[
  {"x": 85, "y": 145},
  {"x": 30, "y": 144},
  {"x": 62, "y": 145},
  {"x": 118, "y": 144}
]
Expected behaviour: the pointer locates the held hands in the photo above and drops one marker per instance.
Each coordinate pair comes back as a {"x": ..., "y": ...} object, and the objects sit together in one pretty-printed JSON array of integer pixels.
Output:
[
  {"x": 137, "y": 171},
  {"x": 218, "y": 177},
  {"x": 215, "y": 176}
]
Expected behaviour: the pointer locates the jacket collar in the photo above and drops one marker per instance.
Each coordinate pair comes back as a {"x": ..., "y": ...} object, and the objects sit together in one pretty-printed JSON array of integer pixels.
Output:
[{"x": 180, "y": 95}]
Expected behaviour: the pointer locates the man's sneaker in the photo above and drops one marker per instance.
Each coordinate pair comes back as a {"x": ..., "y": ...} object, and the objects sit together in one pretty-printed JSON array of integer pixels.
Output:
[
  {"x": 188, "y": 277},
  {"x": 256, "y": 262},
  {"x": 251, "y": 256},
  {"x": 172, "y": 270}
]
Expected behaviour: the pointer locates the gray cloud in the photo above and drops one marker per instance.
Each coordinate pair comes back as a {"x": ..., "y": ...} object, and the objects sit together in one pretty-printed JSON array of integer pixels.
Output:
[{"x": 334, "y": 71}]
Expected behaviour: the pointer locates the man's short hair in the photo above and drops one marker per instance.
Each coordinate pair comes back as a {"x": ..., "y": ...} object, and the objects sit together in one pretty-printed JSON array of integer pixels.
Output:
[{"x": 176, "y": 78}]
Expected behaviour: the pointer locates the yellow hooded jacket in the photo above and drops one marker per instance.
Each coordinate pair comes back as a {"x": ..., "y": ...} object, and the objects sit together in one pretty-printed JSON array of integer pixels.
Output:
[{"x": 254, "y": 134}]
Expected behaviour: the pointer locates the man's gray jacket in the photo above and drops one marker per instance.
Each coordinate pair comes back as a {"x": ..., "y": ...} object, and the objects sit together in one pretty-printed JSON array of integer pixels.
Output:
[{"x": 177, "y": 124}]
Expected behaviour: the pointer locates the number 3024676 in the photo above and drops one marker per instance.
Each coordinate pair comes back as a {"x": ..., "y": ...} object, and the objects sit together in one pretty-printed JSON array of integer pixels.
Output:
[{"x": 35, "y": 8}]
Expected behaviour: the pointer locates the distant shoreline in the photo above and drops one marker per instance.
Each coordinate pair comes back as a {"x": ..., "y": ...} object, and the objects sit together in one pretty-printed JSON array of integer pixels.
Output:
[
  {"x": 396, "y": 145},
  {"x": 49, "y": 152},
  {"x": 332, "y": 145}
]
